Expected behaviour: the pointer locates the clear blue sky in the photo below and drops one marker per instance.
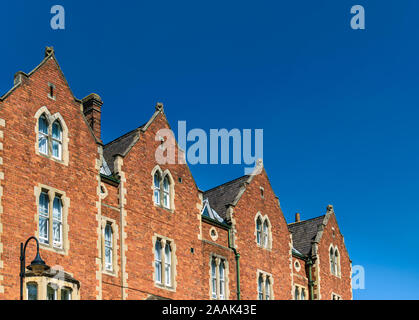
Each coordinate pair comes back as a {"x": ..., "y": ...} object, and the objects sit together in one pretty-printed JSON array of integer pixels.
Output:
[{"x": 339, "y": 107}]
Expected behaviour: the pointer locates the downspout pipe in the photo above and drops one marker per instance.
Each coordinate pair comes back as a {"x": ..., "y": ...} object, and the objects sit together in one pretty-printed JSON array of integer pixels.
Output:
[
  {"x": 237, "y": 255},
  {"x": 310, "y": 278}
]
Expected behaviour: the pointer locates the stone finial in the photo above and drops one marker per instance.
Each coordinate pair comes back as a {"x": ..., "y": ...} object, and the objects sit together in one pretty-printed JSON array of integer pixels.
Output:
[
  {"x": 329, "y": 208},
  {"x": 49, "y": 51},
  {"x": 159, "y": 106},
  {"x": 297, "y": 217}
]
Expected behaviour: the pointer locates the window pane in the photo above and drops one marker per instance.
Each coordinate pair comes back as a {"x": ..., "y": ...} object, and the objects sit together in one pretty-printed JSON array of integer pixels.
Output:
[
  {"x": 43, "y": 125},
  {"x": 157, "y": 258},
  {"x": 56, "y": 149},
  {"x": 43, "y": 217},
  {"x": 56, "y": 131},
  {"x": 303, "y": 294},
  {"x": 57, "y": 221},
  {"x": 43, "y": 144},
  {"x": 65, "y": 294},
  {"x": 260, "y": 286},
  {"x": 51, "y": 293},
  {"x": 32, "y": 291},
  {"x": 258, "y": 230},
  {"x": 108, "y": 248},
  {"x": 267, "y": 290},
  {"x": 265, "y": 234},
  {"x": 157, "y": 180},
  {"x": 168, "y": 263},
  {"x": 222, "y": 280},
  {"x": 214, "y": 279}
]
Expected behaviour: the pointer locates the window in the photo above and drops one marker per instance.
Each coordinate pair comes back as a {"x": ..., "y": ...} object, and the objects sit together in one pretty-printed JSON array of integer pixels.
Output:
[
  {"x": 265, "y": 234},
  {"x": 57, "y": 140},
  {"x": 44, "y": 218},
  {"x": 162, "y": 189},
  {"x": 213, "y": 278},
  {"x": 260, "y": 287},
  {"x": 52, "y": 218},
  {"x": 57, "y": 228},
  {"x": 259, "y": 231},
  {"x": 166, "y": 192},
  {"x": 52, "y": 136},
  {"x": 51, "y": 292},
  {"x": 108, "y": 248},
  {"x": 336, "y": 297},
  {"x": 263, "y": 231},
  {"x": 32, "y": 291},
  {"x": 43, "y": 135},
  {"x": 164, "y": 269},
  {"x": 157, "y": 188},
  {"x": 219, "y": 278},
  {"x": 168, "y": 264},
  {"x": 157, "y": 259},
  {"x": 334, "y": 261},
  {"x": 299, "y": 293},
  {"x": 222, "y": 280},
  {"x": 265, "y": 282},
  {"x": 267, "y": 289},
  {"x": 65, "y": 294}
]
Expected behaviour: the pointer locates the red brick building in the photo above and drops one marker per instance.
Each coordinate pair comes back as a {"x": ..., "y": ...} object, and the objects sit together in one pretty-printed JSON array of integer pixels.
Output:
[{"x": 114, "y": 224}]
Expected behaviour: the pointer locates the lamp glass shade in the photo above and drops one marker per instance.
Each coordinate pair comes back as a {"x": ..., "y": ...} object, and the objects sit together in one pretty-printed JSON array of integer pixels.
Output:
[{"x": 38, "y": 265}]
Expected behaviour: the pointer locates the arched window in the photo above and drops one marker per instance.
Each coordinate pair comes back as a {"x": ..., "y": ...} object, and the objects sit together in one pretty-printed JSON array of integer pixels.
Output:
[
  {"x": 43, "y": 135},
  {"x": 267, "y": 289},
  {"x": 168, "y": 264},
  {"x": 213, "y": 278},
  {"x": 337, "y": 265},
  {"x": 57, "y": 140},
  {"x": 157, "y": 261},
  {"x": 166, "y": 192},
  {"x": 108, "y": 247},
  {"x": 296, "y": 293},
  {"x": 259, "y": 231},
  {"x": 44, "y": 218},
  {"x": 303, "y": 294},
  {"x": 57, "y": 222},
  {"x": 332, "y": 261},
  {"x": 260, "y": 287},
  {"x": 266, "y": 234},
  {"x": 157, "y": 179},
  {"x": 222, "y": 280}
]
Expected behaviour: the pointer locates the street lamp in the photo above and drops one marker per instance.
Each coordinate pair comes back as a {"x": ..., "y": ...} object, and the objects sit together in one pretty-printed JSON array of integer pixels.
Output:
[{"x": 37, "y": 266}]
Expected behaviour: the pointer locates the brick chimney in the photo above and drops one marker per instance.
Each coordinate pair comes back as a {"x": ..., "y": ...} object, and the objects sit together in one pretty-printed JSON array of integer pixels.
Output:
[
  {"x": 297, "y": 217},
  {"x": 92, "y": 105}
]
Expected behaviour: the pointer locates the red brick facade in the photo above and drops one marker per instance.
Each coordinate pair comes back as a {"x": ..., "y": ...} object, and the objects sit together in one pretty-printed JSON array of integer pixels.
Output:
[{"x": 125, "y": 201}]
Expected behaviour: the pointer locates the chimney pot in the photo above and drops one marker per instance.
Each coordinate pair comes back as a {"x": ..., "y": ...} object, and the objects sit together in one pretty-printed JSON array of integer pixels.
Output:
[{"x": 297, "y": 217}]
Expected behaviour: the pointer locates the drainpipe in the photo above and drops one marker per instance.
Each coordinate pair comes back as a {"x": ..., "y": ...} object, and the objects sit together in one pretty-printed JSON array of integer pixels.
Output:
[
  {"x": 237, "y": 255},
  {"x": 310, "y": 279}
]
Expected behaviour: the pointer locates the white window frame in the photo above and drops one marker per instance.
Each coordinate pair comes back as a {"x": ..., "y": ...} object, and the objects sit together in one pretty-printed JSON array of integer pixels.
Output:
[
  {"x": 44, "y": 216},
  {"x": 58, "y": 141},
  {"x": 57, "y": 244},
  {"x": 108, "y": 245}
]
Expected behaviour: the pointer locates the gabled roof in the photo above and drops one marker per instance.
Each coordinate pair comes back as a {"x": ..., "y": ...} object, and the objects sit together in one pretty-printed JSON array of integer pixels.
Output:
[
  {"x": 304, "y": 234},
  {"x": 120, "y": 146},
  {"x": 222, "y": 196}
]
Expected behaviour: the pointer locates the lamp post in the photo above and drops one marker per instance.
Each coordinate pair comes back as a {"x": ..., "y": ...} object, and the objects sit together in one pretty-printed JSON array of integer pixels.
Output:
[{"x": 37, "y": 266}]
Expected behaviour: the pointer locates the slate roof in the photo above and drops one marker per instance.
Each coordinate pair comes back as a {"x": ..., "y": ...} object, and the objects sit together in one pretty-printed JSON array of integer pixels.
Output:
[
  {"x": 225, "y": 194},
  {"x": 119, "y": 146},
  {"x": 304, "y": 232}
]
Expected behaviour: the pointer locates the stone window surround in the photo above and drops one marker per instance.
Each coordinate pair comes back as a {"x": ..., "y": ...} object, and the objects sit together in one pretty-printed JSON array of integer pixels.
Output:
[
  {"x": 115, "y": 238},
  {"x": 105, "y": 192},
  {"x": 263, "y": 219},
  {"x": 65, "y": 140},
  {"x": 297, "y": 265},
  {"x": 265, "y": 275},
  {"x": 43, "y": 282},
  {"x": 215, "y": 236},
  {"x": 52, "y": 192},
  {"x": 218, "y": 260},
  {"x": 162, "y": 285},
  {"x": 338, "y": 273},
  {"x": 163, "y": 174},
  {"x": 300, "y": 289}
]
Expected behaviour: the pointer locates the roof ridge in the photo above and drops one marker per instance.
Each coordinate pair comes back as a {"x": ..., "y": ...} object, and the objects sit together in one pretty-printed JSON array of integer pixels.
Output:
[
  {"x": 226, "y": 183},
  {"x": 124, "y": 135},
  {"x": 294, "y": 223}
]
